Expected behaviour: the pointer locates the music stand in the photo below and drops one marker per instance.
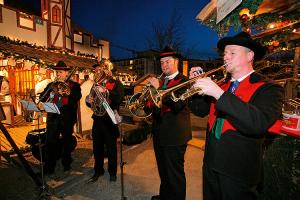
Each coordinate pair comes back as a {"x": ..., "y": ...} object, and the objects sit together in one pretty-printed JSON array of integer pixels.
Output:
[
  {"x": 41, "y": 108},
  {"x": 117, "y": 119}
]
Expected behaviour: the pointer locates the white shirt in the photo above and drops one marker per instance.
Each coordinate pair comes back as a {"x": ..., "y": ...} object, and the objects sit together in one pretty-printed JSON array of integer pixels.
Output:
[
  {"x": 171, "y": 76},
  {"x": 242, "y": 78}
]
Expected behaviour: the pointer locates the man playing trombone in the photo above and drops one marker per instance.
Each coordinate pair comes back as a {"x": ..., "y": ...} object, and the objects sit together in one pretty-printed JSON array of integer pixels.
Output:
[
  {"x": 104, "y": 131},
  {"x": 171, "y": 131},
  {"x": 240, "y": 112},
  {"x": 65, "y": 93}
]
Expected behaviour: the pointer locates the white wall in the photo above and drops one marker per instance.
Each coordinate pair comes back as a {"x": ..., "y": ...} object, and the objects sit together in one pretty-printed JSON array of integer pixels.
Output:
[
  {"x": 9, "y": 28},
  {"x": 105, "y": 49},
  {"x": 87, "y": 49},
  {"x": 86, "y": 112}
]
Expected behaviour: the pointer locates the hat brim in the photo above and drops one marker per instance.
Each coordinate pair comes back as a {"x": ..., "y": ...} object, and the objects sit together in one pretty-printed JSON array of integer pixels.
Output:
[
  {"x": 259, "y": 51},
  {"x": 62, "y": 68},
  {"x": 169, "y": 54}
]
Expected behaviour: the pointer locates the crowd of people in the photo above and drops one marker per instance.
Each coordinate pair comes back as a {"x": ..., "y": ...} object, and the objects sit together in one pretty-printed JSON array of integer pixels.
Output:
[{"x": 239, "y": 115}]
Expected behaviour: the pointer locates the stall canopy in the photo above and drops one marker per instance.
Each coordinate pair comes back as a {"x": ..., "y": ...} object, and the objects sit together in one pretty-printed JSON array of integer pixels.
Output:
[{"x": 42, "y": 56}]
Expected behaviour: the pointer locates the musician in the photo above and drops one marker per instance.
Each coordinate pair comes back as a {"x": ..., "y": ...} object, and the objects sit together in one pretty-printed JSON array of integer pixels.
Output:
[
  {"x": 60, "y": 125},
  {"x": 104, "y": 131},
  {"x": 240, "y": 112},
  {"x": 171, "y": 131}
]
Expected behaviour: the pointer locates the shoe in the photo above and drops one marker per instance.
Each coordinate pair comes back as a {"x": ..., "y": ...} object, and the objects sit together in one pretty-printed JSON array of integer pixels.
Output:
[
  {"x": 95, "y": 177},
  {"x": 156, "y": 197},
  {"x": 113, "y": 178}
]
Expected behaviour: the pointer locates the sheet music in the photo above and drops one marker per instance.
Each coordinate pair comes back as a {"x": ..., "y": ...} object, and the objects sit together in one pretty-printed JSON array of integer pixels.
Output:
[
  {"x": 30, "y": 106},
  {"x": 50, "y": 107},
  {"x": 110, "y": 112}
]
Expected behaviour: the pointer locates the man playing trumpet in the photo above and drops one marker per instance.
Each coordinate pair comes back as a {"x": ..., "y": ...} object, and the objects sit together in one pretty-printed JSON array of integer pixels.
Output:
[
  {"x": 104, "y": 131},
  {"x": 240, "y": 112},
  {"x": 171, "y": 131}
]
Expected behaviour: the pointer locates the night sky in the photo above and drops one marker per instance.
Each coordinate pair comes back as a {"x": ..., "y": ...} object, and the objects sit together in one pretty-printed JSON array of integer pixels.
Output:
[{"x": 128, "y": 23}]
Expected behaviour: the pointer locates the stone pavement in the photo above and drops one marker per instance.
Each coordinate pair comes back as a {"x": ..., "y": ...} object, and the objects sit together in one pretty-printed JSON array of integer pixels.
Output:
[{"x": 141, "y": 179}]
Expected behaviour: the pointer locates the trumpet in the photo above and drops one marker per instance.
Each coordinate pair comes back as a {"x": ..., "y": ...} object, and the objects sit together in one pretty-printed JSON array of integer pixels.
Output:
[
  {"x": 192, "y": 91},
  {"x": 157, "y": 95},
  {"x": 137, "y": 103}
]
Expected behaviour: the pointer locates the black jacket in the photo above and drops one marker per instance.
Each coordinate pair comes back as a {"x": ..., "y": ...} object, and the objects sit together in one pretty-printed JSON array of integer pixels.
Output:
[
  {"x": 239, "y": 153},
  {"x": 172, "y": 127}
]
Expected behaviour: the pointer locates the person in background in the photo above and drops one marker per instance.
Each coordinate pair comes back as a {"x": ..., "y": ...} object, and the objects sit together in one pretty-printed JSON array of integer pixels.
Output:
[
  {"x": 5, "y": 91},
  {"x": 241, "y": 110},
  {"x": 104, "y": 131},
  {"x": 60, "y": 125},
  {"x": 171, "y": 131}
]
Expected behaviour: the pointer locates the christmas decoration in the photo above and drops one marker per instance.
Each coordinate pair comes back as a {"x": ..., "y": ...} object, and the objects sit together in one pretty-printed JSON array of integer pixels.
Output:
[{"x": 32, "y": 58}]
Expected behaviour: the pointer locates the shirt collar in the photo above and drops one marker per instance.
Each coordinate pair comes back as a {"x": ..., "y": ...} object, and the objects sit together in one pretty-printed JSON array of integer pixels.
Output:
[
  {"x": 172, "y": 76},
  {"x": 242, "y": 78}
]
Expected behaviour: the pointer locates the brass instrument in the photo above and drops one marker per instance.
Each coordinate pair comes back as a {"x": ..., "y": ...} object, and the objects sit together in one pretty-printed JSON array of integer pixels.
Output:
[
  {"x": 101, "y": 76},
  {"x": 137, "y": 103},
  {"x": 192, "y": 91},
  {"x": 99, "y": 98},
  {"x": 62, "y": 87}
]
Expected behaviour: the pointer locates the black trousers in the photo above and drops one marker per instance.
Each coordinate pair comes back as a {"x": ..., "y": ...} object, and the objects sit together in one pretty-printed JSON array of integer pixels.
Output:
[
  {"x": 170, "y": 163},
  {"x": 217, "y": 186},
  {"x": 55, "y": 147},
  {"x": 104, "y": 132}
]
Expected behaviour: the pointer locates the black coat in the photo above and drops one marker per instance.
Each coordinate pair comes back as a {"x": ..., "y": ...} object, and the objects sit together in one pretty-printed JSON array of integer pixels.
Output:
[
  {"x": 239, "y": 153},
  {"x": 69, "y": 109},
  {"x": 172, "y": 127}
]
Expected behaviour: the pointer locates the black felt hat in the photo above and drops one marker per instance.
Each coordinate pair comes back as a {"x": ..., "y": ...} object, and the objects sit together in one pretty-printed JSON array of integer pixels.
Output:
[
  {"x": 167, "y": 51},
  {"x": 245, "y": 40},
  {"x": 61, "y": 65}
]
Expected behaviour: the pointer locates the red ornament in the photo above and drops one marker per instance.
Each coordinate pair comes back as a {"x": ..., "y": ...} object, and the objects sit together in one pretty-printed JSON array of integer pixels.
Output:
[
  {"x": 275, "y": 43},
  {"x": 248, "y": 30},
  {"x": 244, "y": 18}
]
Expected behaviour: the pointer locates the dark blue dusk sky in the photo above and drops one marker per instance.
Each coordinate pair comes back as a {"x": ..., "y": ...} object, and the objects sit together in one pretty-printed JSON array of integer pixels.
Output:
[{"x": 128, "y": 23}]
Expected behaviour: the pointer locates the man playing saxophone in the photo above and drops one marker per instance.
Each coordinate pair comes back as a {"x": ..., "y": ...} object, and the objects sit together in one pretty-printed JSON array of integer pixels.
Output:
[
  {"x": 171, "y": 131},
  {"x": 104, "y": 131},
  {"x": 65, "y": 94}
]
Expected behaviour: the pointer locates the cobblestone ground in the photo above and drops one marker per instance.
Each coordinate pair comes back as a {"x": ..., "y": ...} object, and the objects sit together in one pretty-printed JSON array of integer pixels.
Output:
[{"x": 141, "y": 179}]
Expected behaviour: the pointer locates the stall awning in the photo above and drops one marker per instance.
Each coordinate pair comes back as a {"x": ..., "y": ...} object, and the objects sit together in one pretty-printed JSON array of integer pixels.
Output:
[{"x": 44, "y": 56}]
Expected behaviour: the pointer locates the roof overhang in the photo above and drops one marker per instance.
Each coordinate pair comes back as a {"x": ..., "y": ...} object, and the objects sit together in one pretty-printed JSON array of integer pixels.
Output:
[{"x": 47, "y": 57}]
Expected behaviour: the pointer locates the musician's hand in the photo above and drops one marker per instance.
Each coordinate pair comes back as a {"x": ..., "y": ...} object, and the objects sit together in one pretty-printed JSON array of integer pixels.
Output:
[
  {"x": 51, "y": 95},
  {"x": 90, "y": 99},
  {"x": 101, "y": 89},
  {"x": 118, "y": 117},
  {"x": 154, "y": 82},
  {"x": 195, "y": 71},
  {"x": 208, "y": 87}
]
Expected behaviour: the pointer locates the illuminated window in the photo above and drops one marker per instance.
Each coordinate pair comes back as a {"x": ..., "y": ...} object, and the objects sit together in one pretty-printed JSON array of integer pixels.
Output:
[{"x": 56, "y": 15}]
